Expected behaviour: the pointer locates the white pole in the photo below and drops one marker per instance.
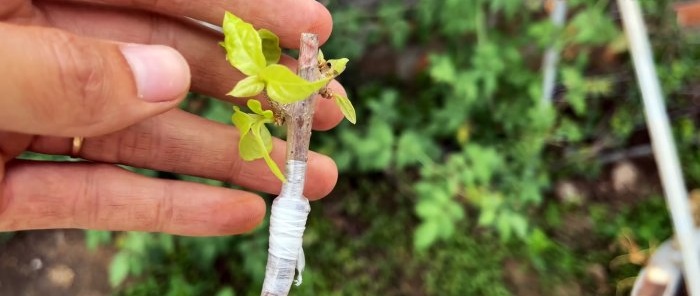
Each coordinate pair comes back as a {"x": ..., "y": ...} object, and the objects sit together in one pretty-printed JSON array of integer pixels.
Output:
[
  {"x": 662, "y": 141},
  {"x": 551, "y": 56}
]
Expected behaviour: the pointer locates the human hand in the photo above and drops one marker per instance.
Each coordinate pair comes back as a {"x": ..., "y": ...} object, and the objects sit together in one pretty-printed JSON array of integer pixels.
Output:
[{"x": 77, "y": 68}]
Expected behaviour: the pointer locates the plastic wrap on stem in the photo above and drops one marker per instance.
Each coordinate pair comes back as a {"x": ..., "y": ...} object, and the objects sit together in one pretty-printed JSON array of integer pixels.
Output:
[{"x": 279, "y": 275}]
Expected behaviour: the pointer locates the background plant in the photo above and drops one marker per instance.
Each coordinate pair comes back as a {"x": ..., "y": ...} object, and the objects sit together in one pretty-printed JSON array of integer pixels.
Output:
[{"x": 450, "y": 183}]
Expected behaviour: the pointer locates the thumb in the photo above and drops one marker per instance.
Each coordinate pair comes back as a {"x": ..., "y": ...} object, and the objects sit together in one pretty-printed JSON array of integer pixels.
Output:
[{"x": 56, "y": 83}]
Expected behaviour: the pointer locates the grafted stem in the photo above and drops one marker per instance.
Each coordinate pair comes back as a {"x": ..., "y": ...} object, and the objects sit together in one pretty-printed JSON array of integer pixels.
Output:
[
  {"x": 300, "y": 114},
  {"x": 290, "y": 208}
]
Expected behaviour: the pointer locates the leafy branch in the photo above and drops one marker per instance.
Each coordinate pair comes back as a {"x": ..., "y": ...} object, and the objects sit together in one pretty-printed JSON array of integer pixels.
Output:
[{"x": 256, "y": 54}]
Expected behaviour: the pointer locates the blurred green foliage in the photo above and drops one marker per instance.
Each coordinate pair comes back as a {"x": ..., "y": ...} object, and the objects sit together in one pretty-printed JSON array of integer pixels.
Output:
[{"x": 449, "y": 174}]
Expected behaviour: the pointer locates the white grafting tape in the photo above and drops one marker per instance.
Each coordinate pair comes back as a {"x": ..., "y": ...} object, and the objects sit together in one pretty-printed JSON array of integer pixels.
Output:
[{"x": 288, "y": 218}]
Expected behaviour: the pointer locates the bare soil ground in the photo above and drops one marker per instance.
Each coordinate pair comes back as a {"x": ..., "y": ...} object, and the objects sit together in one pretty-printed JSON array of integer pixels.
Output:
[{"x": 53, "y": 263}]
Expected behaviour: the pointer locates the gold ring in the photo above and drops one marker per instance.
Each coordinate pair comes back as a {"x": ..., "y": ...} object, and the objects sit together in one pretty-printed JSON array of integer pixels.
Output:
[{"x": 77, "y": 145}]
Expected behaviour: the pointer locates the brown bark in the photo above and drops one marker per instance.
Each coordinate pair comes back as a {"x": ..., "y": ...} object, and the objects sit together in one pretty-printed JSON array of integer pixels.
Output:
[{"x": 300, "y": 114}]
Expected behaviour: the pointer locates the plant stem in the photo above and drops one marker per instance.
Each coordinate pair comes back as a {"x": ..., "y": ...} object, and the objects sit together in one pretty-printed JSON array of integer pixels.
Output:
[
  {"x": 300, "y": 114},
  {"x": 290, "y": 209}
]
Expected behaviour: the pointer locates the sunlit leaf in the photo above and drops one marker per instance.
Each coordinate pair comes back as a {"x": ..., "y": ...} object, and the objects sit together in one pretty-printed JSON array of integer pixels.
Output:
[
  {"x": 227, "y": 291},
  {"x": 256, "y": 106},
  {"x": 260, "y": 131},
  {"x": 118, "y": 269},
  {"x": 248, "y": 87},
  {"x": 519, "y": 225},
  {"x": 242, "y": 120},
  {"x": 249, "y": 148},
  {"x": 427, "y": 209},
  {"x": 442, "y": 69},
  {"x": 338, "y": 65},
  {"x": 333, "y": 67},
  {"x": 425, "y": 235},
  {"x": 255, "y": 139},
  {"x": 274, "y": 168},
  {"x": 264, "y": 140},
  {"x": 487, "y": 217},
  {"x": 285, "y": 87},
  {"x": 243, "y": 45},
  {"x": 270, "y": 46},
  {"x": 320, "y": 57},
  {"x": 345, "y": 107},
  {"x": 454, "y": 210}
]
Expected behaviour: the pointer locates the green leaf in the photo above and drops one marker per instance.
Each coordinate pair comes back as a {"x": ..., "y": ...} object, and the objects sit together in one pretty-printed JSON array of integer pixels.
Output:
[
  {"x": 270, "y": 46},
  {"x": 283, "y": 86},
  {"x": 274, "y": 168},
  {"x": 487, "y": 217},
  {"x": 118, "y": 269},
  {"x": 95, "y": 238},
  {"x": 519, "y": 225},
  {"x": 446, "y": 227},
  {"x": 136, "y": 242},
  {"x": 167, "y": 242},
  {"x": 242, "y": 120},
  {"x": 260, "y": 131},
  {"x": 442, "y": 69},
  {"x": 136, "y": 265},
  {"x": 334, "y": 67},
  {"x": 249, "y": 148},
  {"x": 248, "y": 87},
  {"x": 256, "y": 143},
  {"x": 426, "y": 234},
  {"x": 345, "y": 107},
  {"x": 256, "y": 106},
  {"x": 264, "y": 140},
  {"x": 427, "y": 209},
  {"x": 454, "y": 211},
  {"x": 504, "y": 227},
  {"x": 320, "y": 57},
  {"x": 409, "y": 149},
  {"x": 338, "y": 65},
  {"x": 227, "y": 291},
  {"x": 243, "y": 45},
  {"x": 255, "y": 139}
]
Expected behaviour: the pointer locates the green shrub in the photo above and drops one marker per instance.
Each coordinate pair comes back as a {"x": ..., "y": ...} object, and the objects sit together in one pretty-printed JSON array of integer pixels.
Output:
[{"x": 449, "y": 171}]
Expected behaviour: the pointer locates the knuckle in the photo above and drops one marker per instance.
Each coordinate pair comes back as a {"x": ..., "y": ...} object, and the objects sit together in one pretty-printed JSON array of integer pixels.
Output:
[
  {"x": 80, "y": 71},
  {"x": 138, "y": 145},
  {"x": 87, "y": 195},
  {"x": 164, "y": 215}
]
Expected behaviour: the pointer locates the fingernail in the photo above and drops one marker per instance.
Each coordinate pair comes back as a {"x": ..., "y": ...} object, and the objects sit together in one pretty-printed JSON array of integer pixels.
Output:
[{"x": 160, "y": 72}]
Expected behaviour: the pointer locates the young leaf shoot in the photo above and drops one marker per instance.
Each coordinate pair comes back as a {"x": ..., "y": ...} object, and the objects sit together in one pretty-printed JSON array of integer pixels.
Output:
[{"x": 256, "y": 54}]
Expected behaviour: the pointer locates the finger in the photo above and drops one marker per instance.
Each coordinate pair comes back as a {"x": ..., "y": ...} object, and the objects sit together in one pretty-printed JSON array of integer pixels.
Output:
[
  {"x": 183, "y": 143},
  {"x": 40, "y": 195},
  {"x": 57, "y": 83},
  {"x": 287, "y": 18},
  {"x": 212, "y": 75}
]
